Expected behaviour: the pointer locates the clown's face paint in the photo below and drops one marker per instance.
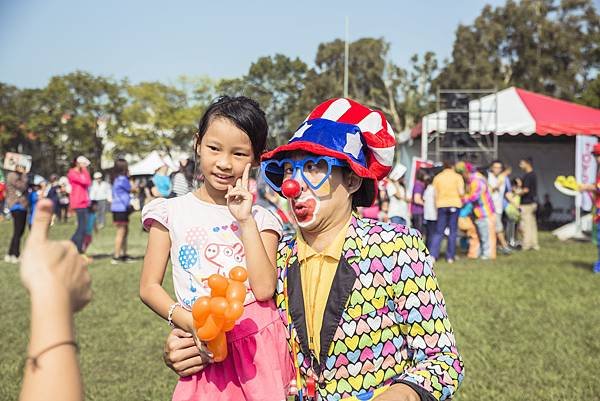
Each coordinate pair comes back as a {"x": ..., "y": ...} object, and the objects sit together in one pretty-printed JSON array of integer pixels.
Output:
[
  {"x": 316, "y": 209},
  {"x": 306, "y": 209}
]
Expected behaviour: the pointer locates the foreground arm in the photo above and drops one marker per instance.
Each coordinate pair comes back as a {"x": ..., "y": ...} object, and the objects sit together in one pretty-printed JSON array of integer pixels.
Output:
[
  {"x": 153, "y": 272},
  {"x": 59, "y": 285}
]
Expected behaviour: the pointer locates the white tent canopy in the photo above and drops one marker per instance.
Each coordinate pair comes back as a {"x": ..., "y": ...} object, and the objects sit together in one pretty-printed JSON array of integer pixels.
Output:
[{"x": 152, "y": 162}]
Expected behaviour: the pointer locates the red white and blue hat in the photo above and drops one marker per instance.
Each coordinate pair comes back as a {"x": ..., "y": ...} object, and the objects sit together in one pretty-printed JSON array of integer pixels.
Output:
[{"x": 347, "y": 130}]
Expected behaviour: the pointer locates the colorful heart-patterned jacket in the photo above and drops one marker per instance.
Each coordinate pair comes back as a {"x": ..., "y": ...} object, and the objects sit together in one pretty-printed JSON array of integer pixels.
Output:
[{"x": 385, "y": 321}]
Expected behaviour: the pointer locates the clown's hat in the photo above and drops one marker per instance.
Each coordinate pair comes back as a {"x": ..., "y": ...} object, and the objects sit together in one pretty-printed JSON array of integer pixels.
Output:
[{"x": 348, "y": 131}]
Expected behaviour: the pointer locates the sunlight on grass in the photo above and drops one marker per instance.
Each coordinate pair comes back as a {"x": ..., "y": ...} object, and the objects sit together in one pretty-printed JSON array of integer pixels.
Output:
[{"x": 527, "y": 325}]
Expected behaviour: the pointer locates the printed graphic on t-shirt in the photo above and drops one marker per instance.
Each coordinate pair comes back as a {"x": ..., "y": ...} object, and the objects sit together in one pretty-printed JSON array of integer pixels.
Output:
[{"x": 207, "y": 251}]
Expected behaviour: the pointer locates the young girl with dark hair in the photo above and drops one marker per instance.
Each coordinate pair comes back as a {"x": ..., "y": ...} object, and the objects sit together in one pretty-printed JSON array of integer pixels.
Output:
[{"x": 212, "y": 230}]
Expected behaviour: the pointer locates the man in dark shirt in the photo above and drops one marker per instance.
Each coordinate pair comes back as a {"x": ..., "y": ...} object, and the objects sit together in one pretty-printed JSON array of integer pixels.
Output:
[{"x": 529, "y": 205}]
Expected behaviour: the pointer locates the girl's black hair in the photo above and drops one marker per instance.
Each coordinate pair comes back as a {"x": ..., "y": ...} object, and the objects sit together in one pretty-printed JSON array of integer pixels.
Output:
[
  {"x": 120, "y": 168},
  {"x": 242, "y": 111}
]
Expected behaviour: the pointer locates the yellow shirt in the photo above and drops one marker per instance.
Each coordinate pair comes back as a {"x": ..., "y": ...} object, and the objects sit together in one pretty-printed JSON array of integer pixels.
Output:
[
  {"x": 448, "y": 186},
  {"x": 317, "y": 270}
]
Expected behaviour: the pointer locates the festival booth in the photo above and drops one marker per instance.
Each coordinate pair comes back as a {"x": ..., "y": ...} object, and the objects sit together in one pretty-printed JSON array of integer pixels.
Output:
[{"x": 556, "y": 134}]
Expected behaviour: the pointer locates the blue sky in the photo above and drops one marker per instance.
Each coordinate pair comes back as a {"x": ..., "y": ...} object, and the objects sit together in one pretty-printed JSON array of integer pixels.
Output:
[{"x": 160, "y": 40}]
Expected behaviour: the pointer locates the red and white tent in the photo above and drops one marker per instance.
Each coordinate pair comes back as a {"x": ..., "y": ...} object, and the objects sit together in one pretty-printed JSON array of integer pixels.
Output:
[
  {"x": 516, "y": 111},
  {"x": 558, "y": 135}
]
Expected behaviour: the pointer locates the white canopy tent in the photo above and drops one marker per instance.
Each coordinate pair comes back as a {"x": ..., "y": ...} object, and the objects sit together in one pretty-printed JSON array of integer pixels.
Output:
[{"x": 152, "y": 162}]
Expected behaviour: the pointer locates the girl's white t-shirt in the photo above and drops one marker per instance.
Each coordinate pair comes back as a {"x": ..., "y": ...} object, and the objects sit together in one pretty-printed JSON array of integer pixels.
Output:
[
  {"x": 205, "y": 239},
  {"x": 429, "y": 210}
]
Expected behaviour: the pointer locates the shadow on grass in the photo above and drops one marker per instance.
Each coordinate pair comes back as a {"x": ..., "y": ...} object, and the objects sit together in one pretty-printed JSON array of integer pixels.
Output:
[{"x": 581, "y": 265}]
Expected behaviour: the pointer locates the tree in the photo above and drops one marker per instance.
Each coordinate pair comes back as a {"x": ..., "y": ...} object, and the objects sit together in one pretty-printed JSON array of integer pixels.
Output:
[
  {"x": 545, "y": 46},
  {"x": 591, "y": 94},
  {"x": 60, "y": 121},
  {"x": 158, "y": 117},
  {"x": 276, "y": 83}
]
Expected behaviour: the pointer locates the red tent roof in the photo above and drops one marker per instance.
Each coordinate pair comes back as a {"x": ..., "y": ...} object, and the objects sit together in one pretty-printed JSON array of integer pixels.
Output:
[{"x": 555, "y": 116}]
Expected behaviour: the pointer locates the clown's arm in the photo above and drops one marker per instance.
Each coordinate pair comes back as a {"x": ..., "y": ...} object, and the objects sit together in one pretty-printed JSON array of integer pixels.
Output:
[{"x": 437, "y": 368}]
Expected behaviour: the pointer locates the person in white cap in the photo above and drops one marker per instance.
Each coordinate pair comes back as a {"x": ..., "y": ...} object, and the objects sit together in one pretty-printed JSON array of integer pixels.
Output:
[
  {"x": 100, "y": 191},
  {"x": 79, "y": 200}
]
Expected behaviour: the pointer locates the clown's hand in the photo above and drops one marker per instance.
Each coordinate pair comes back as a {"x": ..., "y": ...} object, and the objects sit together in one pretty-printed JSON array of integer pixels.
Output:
[{"x": 239, "y": 199}]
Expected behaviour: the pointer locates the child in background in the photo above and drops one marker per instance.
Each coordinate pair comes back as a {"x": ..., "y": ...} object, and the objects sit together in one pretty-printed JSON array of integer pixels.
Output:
[
  {"x": 211, "y": 230},
  {"x": 92, "y": 227},
  {"x": 36, "y": 192}
]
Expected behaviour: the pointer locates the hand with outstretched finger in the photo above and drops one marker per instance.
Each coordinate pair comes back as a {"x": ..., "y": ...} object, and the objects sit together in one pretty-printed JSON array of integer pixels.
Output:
[
  {"x": 54, "y": 267},
  {"x": 239, "y": 198}
]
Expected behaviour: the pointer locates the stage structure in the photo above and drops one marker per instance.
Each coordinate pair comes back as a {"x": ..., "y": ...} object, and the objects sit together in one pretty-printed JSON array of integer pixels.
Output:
[{"x": 451, "y": 132}]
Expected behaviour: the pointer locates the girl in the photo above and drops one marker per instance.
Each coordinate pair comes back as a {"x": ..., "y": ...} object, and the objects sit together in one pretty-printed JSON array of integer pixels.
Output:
[
  {"x": 212, "y": 230},
  {"x": 80, "y": 181},
  {"x": 121, "y": 199}
]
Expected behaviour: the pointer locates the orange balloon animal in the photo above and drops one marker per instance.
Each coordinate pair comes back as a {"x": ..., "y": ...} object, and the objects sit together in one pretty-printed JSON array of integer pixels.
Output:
[{"x": 216, "y": 314}]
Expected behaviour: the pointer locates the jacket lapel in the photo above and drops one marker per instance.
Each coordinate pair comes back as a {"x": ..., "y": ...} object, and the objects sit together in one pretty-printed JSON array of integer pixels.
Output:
[{"x": 296, "y": 303}]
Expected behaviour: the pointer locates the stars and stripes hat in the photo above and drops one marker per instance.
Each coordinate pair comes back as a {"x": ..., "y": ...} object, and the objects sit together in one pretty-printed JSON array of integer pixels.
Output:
[{"x": 347, "y": 130}]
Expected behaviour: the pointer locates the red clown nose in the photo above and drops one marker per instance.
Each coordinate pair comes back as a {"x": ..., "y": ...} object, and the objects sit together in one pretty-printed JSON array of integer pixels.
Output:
[{"x": 290, "y": 189}]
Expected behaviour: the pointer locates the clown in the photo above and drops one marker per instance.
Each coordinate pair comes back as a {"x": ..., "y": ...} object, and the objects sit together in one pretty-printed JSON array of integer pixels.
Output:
[
  {"x": 366, "y": 319},
  {"x": 365, "y": 316}
]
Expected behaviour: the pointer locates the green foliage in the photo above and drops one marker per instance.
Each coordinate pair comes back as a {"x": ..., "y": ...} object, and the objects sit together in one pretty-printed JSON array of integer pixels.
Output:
[
  {"x": 527, "y": 325},
  {"x": 591, "y": 94},
  {"x": 545, "y": 46},
  {"x": 276, "y": 83}
]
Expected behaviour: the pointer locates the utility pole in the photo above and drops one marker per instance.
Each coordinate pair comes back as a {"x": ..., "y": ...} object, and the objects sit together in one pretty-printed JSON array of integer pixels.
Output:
[{"x": 346, "y": 51}]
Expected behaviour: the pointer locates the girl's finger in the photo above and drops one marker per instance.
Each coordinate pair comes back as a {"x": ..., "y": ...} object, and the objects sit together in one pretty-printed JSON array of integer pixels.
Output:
[
  {"x": 191, "y": 371},
  {"x": 238, "y": 183},
  {"x": 245, "y": 176}
]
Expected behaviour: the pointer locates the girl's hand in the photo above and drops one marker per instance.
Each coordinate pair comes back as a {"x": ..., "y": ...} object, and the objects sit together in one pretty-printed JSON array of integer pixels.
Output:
[
  {"x": 239, "y": 199},
  {"x": 182, "y": 355}
]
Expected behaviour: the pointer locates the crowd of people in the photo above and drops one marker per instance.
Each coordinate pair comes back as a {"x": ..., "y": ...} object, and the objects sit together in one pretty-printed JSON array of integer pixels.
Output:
[
  {"x": 486, "y": 210},
  {"x": 88, "y": 198}
]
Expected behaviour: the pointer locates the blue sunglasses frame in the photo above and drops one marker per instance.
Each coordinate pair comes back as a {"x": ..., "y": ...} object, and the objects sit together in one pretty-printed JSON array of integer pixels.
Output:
[{"x": 269, "y": 165}]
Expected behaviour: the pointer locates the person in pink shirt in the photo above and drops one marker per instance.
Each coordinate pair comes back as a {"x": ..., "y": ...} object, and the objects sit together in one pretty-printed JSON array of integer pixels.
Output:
[{"x": 79, "y": 200}]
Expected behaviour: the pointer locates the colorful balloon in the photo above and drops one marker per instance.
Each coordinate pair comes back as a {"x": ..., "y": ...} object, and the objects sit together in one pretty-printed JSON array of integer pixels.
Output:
[
  {"x": 234, "y": 310},
  {"x": 228, "y": 325},
  {"x": 218, "y": 285},
  {"x": 238, "y": 273},
  {"x": 200, "y": 310},
  {"x": 218, "y": 347},
  {"x": 211, "y": 328},
  {"x": 218, "y": 306},
  {"x": 236, "y": 291}
]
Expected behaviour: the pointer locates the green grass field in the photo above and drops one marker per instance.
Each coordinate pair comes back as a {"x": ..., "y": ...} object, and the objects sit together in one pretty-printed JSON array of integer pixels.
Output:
[{"x": 527, "y": 325}]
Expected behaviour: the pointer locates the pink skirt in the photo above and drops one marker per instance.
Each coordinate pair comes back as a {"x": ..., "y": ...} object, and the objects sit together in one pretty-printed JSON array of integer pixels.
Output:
[{"x": 258, "y": 365}]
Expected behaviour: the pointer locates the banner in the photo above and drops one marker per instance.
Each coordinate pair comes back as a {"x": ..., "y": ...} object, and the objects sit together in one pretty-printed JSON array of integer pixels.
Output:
[
  {"x": 585, "y": 168},
  {"x": 12, "y": 160}
]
